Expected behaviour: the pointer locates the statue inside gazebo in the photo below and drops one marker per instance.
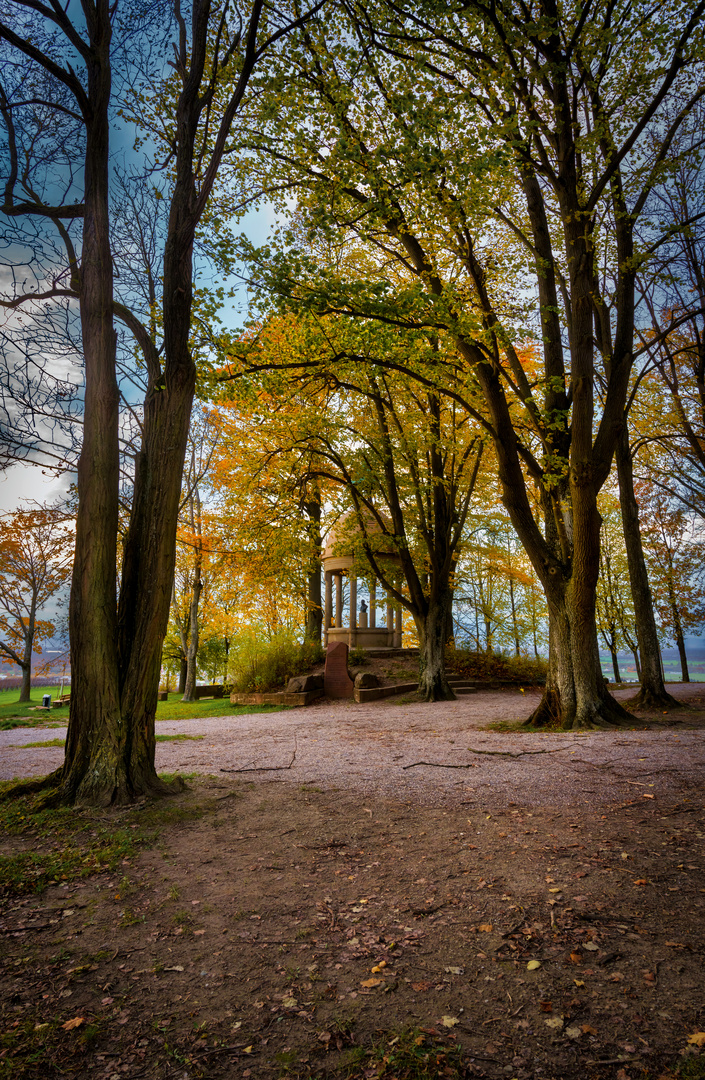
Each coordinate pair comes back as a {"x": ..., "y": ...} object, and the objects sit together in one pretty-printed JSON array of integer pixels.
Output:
[{"x": 344, "y": 556}]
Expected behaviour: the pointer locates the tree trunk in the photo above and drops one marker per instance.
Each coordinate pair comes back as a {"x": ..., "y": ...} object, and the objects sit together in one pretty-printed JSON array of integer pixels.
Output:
[
  {"x": 192, "y": 653},
  {"x": 515, "y": 626},
  {"x": 685, "y": 674},
  {"x": 615, "y": 665},
  {"x": 433, "y": 630},
  {"x": 575, "y": 694},
  {"x": 653, "y": 693},
  {"x": 26, "y": 688},
  {"x": 314, "y": 599},
  {"x": 94, "y": 766},
  {"x": 637, "y": 664},
  {"x": 183, "y": 668},
  {"x": 680, "y": 640}
]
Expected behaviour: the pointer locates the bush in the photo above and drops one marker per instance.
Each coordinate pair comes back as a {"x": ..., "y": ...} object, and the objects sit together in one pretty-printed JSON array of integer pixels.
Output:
[
  {"x": 495, "y": 667},
  {"x": 258, "y": 665},
  {"x": 358, "y": 657}
]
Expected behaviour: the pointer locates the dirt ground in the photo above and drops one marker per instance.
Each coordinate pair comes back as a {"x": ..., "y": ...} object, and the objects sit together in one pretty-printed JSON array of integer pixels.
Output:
[{"x": 538, "y": 900}]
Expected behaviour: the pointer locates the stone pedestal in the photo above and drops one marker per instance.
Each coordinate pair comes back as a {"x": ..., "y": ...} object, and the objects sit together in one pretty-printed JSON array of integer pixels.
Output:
[{"x": 336, "y": 680}]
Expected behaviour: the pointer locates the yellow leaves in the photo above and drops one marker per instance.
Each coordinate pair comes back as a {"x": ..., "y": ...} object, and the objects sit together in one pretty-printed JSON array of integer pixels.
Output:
[
  {"x": 370, "y": 983},
  {"x": 533, "y": 965},
  {"x": 697, "y": 1038},
  {"x": 449, "y": 1021},
  {"x": 379, "y": 967}
]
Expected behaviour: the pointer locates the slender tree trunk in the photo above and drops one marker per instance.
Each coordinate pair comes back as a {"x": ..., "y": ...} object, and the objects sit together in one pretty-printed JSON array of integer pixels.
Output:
[
  {"x": 432, "y": 630},
  {"x": 653, "y": 693},
  {"x": 192, "y": 653},
  {"x": 26, "y": 687},
  {"x": 515, "y": 627},
  {"x": 615, "y": 664},
  {"x": 314, "y": 599},
  {"x": 183, "y": 668},
  {"x": 637, "y": 664},
  {"x": 680, "y": 640}
]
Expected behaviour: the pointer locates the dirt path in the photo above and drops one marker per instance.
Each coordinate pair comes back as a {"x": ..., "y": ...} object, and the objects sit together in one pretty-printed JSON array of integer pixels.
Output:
[
  {"x": 376, "y": 748},
  {"x": 545, "y": 913}
]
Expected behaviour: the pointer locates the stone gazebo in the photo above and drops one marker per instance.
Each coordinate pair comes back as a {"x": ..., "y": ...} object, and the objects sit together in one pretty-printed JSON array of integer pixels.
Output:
[{"x": 344, "y": 555}]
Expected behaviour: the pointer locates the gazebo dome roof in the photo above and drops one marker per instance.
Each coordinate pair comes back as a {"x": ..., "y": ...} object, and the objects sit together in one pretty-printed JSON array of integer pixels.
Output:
[{"x": 345, "y": 538}]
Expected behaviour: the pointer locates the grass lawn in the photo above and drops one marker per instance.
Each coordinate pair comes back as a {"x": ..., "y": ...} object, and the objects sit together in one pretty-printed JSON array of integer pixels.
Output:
[{"x": 13, "y": 715}]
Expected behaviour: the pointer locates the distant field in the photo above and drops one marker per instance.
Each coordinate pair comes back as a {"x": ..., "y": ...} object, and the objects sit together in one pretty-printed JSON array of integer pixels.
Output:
[{"x": 672, "y": 672}]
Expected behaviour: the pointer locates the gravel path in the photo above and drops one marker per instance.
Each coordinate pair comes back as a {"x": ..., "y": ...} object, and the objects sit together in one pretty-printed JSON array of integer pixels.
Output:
[{"x": 370, "y": 748}]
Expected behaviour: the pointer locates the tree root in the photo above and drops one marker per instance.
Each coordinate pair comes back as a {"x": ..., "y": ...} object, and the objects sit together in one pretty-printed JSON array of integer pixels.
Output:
[
  {"x": 605, "y": 714},
  {"x": 33, "y": 787},
  {"x": 492, "y": 753},
  {"x": 118, "y": 793},
  {"x": 547, "y": 713},
  {"x": 265, "y": 768},
  {"x": 645, "y": 698},
  {"x": 436, "y": 690}
]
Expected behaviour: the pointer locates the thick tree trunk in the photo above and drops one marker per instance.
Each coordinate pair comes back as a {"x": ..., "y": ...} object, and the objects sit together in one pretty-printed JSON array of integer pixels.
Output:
[
  {"x": 575, "y": 694},
  {"x": 653, "y": 693},
  {"x": 433, "y": 631},
  {"x": 183, "y": 668},
  {"x": 94, "y": 765}
]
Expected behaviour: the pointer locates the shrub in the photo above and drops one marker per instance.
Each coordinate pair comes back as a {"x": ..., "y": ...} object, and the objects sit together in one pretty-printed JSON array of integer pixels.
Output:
[
  {"x": 258, "y": 665},
  {"x": 495, "y": 667},
  {"x": 358, "y": 657}
]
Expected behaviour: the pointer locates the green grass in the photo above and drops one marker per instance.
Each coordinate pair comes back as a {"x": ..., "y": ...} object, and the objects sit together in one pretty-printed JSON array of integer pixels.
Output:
[
  {"x": 410, "y": 1054},
  {"x": 13, "y": 715},
  {"x": 175, "y": 709},
  {"x": 67, "y": 843},
  {"x": 61, "y": 742},
  {"x": 45, "y": 742},
  {"x": 178, "y": 738}
]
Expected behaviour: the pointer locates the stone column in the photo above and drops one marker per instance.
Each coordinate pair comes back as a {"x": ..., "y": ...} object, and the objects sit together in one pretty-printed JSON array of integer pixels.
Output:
[
  {"x": 338, "y": 598},
  {"x": 397, "y": 628},
  {"x": 328, "y": 609},
  {"x": 390, "y": 621},
  {"x": 373, "y": 604},
  {"x": 352, "y": 637}
]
